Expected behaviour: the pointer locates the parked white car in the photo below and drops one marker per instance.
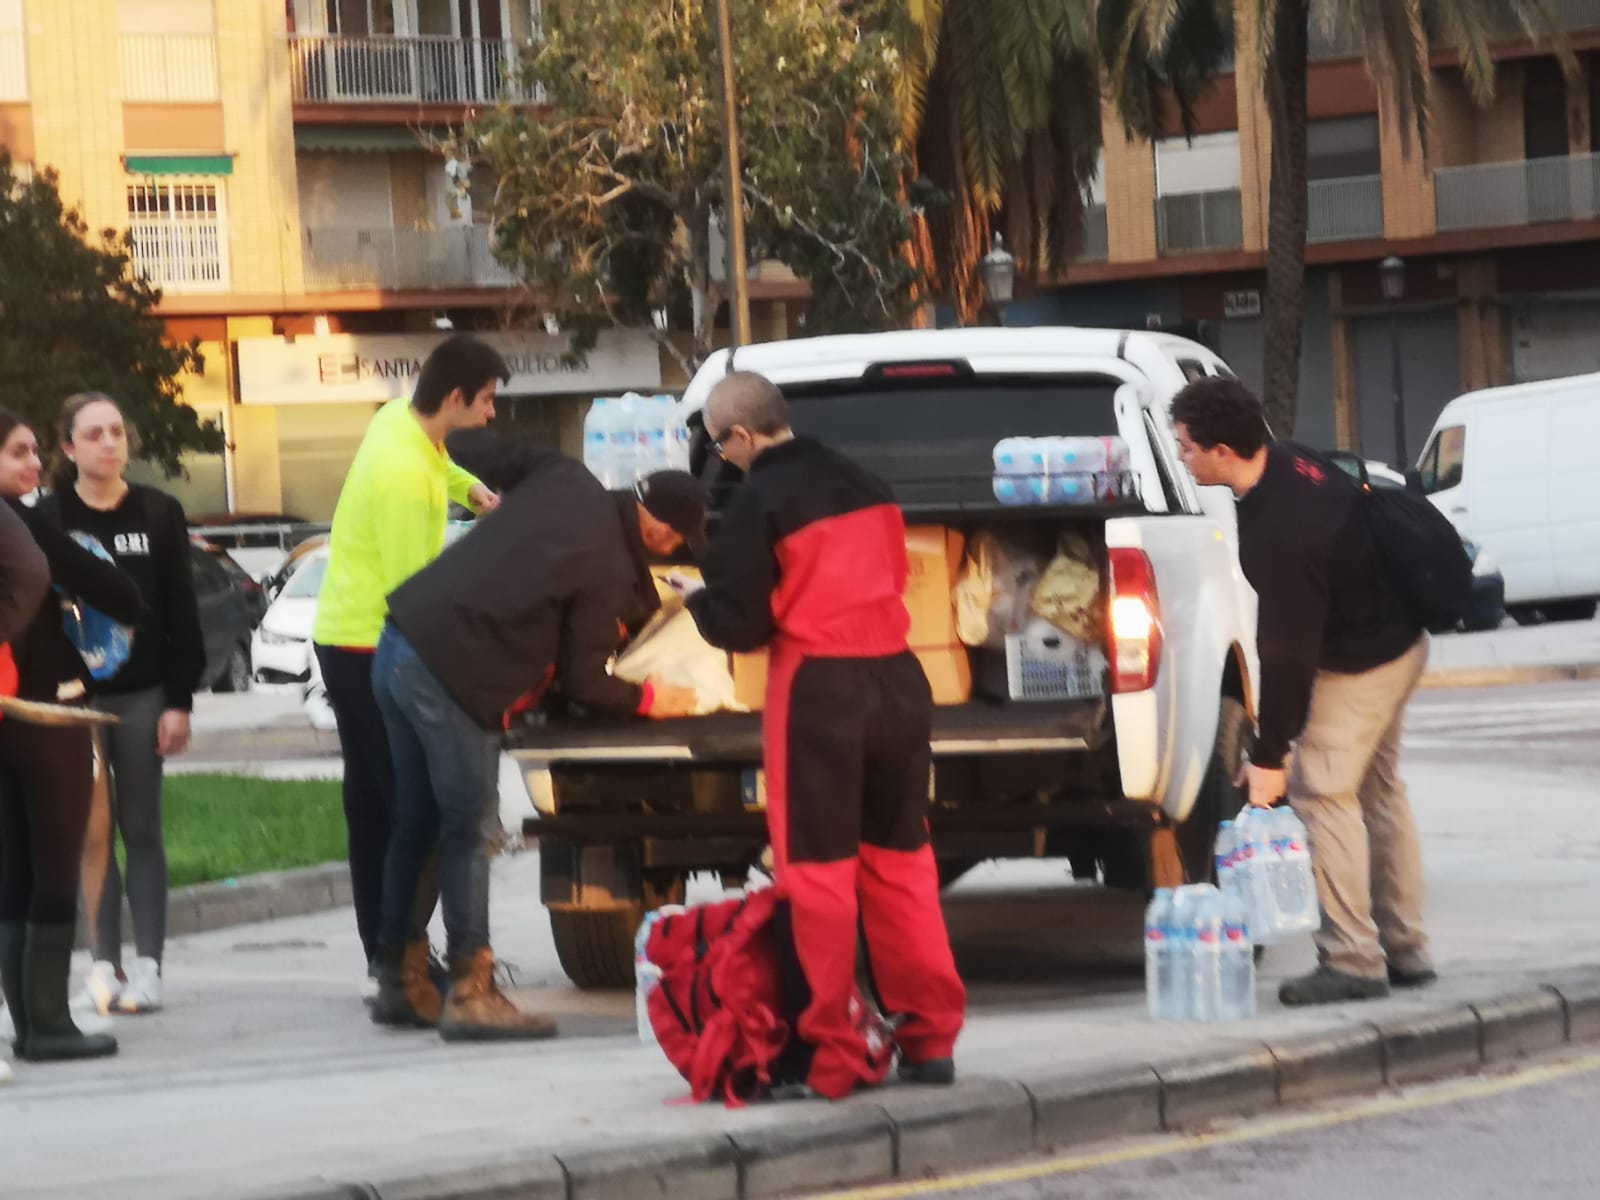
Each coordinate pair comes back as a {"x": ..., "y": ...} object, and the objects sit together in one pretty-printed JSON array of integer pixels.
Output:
[
  {"x": 280, "y": 648},
  {"x": 1514, "y": 469}
]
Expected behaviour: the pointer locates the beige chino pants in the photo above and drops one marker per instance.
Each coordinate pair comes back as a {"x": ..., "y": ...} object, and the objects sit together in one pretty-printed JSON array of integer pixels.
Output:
[{"x": 1345, "y": 785}]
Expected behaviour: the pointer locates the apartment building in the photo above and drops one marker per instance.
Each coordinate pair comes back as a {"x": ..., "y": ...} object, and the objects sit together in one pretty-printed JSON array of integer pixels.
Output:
[
  {"x": 1498, "y": 224},
  {"x": 277, "y": 164}
]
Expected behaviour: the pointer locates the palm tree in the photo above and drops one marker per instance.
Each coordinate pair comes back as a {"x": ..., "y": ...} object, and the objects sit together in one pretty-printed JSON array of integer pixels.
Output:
[
  {"x": 1396, "y": 39},
  {"x": 1002, "y": 104}
]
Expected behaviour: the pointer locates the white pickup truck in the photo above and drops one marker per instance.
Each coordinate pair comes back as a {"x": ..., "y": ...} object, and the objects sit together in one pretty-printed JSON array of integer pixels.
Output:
[{"x": 1128, "y": 783}]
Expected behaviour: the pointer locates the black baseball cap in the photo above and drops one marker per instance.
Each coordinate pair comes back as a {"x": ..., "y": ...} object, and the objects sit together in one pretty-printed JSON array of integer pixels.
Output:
[{"x": 681, "y": 501}]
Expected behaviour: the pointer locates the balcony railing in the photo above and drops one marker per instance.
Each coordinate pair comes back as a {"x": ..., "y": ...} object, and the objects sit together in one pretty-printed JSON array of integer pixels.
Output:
[
  {"x": 169, "y": 68},
  {"x": 182, "y": 256},
  {"x": 13, "y": 65},
  {"x": 1200, "y": 221},
  {"x": 409, "y": 70},
  {"x": 1096, "y": 241},
  {"x": 1344, "y": 210},
  {"x": 1518, "y": 193},
  {"x": 389, "y": 259}
]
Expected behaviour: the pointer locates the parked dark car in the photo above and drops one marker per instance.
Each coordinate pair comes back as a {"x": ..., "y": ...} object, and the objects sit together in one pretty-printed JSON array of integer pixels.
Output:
[{"x": 230, "y": 605}]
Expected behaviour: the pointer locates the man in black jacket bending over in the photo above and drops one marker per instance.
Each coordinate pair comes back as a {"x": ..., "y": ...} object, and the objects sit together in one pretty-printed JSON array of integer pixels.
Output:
[
  {"x": 1340, "y": 657},
  {"x": 535, "y": 597}
]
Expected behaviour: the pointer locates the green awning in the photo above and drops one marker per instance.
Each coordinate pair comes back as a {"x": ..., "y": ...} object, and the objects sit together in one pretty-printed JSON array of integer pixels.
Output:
[
  {"x": 179, "y": 164},
  {"x": 378, "y": 139}
]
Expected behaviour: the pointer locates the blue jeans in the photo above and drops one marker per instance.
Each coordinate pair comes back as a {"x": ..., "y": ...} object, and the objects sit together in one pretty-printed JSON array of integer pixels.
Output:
[{"x": 446, "y": 784}]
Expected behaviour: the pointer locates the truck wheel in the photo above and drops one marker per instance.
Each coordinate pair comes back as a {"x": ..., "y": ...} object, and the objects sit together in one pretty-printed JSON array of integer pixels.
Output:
[
  {"x": 1219, "y": 799},
  {"x": 595, "y": 945}
]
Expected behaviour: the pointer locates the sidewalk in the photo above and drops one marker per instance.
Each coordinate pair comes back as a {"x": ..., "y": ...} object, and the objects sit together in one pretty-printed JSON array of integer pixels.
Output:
[
  {"x": 264, "y": 1077},
  {"x": 1511, "y": 654}
]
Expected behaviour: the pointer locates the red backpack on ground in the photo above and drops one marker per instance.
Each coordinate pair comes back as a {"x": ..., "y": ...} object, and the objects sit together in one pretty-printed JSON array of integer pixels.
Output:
[{"x": 728, "y": 997}]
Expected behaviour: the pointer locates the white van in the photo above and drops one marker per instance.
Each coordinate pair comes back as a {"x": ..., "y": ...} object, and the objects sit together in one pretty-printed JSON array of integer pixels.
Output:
[{"x": 1515, "y": 469}]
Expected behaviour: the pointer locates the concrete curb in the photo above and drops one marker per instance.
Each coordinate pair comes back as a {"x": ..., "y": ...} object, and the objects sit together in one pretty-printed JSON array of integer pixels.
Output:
[
  {"x": 268, "y": 896},
  {"x": 1483, "y": 677},
  {"x": 905, "y": 1133}
]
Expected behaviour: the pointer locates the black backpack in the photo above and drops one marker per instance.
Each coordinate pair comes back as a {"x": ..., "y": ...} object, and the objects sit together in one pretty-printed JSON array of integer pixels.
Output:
[{"x": 1419, "y": 549}]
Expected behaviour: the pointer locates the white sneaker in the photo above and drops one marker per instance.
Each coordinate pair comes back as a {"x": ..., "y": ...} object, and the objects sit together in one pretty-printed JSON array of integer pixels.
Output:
[
  {"x": 5, "y": 1071},
  {"x": 8, "y": 1027},
  {"x": 142, "y": 992},
  {"x": 369, "y": 989},
  {"x": 100, "y": 989}
]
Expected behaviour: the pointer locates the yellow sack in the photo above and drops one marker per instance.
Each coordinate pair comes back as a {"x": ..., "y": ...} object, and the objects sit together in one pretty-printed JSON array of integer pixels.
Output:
[{"x": 1068, "y": 595}]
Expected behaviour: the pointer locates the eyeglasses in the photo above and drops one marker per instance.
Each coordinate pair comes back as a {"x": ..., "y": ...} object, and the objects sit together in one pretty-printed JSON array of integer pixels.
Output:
[{"x": 716, "y": 443}]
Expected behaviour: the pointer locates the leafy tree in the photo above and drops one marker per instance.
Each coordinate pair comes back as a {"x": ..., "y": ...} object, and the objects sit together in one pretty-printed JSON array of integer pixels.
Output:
[
  {"x": 1396, "y": 40},
  {"x": 607, "y": 195},
  {"x": 74, "y": 317},
  {"x": 1002, "y": 102}
]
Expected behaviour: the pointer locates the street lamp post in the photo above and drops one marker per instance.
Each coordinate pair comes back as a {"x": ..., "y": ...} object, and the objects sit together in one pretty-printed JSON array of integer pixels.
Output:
[
  {"x": 733, "y": 188},
  {"x": 999, "y": 271},
  {"x": 1392, "y": 275}
]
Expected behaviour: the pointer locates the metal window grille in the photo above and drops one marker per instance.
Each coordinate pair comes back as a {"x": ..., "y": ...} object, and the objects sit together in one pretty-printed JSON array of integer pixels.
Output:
[{"x": 180, "y": 233}]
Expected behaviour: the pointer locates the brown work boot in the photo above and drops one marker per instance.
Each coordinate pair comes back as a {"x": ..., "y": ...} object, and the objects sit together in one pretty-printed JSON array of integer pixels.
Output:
[
  {"x": 478, "y": 1011},
  {"x": 407, "y": 995}
]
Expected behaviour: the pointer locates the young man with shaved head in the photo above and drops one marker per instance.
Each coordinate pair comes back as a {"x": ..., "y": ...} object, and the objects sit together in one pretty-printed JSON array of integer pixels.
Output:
[{"x": 811, "y": 562}]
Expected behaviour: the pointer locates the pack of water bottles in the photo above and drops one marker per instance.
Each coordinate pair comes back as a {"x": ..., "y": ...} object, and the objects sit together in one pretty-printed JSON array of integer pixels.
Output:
[
  {"x": 628, "y": 437},
  {"x": 1199, "y": 963},
  {"x": 646, "y": 975},
  {"x": 1061, "y": 470},
  {"x": 1264, "y": 858}
]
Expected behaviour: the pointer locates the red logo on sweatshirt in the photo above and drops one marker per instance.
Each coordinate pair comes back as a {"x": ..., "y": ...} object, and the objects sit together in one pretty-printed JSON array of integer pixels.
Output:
[{"x": 1310, "y": 470}]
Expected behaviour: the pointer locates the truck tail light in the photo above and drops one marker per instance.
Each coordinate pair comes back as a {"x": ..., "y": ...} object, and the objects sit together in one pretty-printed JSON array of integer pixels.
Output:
[{"x": 1135, "y": 621}]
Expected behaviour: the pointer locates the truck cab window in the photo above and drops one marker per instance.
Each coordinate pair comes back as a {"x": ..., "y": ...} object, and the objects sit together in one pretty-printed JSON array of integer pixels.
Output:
[{"x": 1444, "y": 460}]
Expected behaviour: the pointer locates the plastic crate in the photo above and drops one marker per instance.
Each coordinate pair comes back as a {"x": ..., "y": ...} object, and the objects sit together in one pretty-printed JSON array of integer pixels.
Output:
[{"x": 1052, "y": 666}]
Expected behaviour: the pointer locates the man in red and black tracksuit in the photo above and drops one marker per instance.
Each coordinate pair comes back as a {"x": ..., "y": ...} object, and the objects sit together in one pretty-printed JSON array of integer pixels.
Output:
[{"x": 811, "y": 561}]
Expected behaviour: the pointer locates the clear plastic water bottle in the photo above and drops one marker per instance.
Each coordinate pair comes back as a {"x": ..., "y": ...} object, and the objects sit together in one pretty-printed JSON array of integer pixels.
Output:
[
  {"x": 1294, "y": 885},
  {"x": 646, "y": 978},
  {"x": 646, "y": 975},
  {"x": 1019, "y": 471},
  {"x": 1181, "y": 934},
  {"x": 678, "y": 435},
  {"x": 1074, "y": 466},
  {"x": 1204, "y": 975},
  {"x": 597, "y": 440},
  {"x": 622, "y": 433},
  {"x": 1254, "y": 841},
  {"x": 655, "y": 433},
  {"x": 1158, "y": 962},
  {"x": 1238, "y": 961},
  {"x": 1223, "y": 856}
]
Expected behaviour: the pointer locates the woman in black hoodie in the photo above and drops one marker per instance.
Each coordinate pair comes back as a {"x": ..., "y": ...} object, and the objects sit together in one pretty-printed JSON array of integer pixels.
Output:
[{"x": 46, "y": 777}]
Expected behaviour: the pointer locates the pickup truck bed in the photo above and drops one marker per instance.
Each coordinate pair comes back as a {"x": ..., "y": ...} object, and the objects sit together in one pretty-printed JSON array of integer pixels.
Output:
[{"x": 735, "y": 738}]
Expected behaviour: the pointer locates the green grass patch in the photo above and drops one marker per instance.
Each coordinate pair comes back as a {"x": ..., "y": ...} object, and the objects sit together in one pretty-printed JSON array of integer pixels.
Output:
[{"x": 224, "y": 826}]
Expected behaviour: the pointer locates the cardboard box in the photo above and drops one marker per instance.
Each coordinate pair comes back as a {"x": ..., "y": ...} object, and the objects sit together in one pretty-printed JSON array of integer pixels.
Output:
[
  {"x": 949, "y": 672},
  {"x": 750, "y": 680},
  {"x": 934, "y": 555}
]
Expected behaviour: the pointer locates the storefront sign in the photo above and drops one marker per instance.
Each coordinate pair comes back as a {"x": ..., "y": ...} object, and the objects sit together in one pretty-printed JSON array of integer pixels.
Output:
[{"x": 376, "y": 367}]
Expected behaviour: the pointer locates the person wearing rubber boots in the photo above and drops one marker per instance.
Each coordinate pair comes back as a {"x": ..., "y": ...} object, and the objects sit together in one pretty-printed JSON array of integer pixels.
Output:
[
  {"x": 811, "y": 562},
  {"x": 1340, "y": 658}
]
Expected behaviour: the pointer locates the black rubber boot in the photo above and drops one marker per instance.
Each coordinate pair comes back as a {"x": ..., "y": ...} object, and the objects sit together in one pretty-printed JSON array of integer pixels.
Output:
[
  {"x": 52, "y": 1036},
  {"x": 13, "y": 937},
  {"x": 1411, "y": 977}
]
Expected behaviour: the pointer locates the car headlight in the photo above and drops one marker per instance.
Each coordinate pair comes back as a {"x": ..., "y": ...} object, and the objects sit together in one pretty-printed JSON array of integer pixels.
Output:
[
  {"x": 269, "y": 638},
  {"x": 1484, "y": 564}
]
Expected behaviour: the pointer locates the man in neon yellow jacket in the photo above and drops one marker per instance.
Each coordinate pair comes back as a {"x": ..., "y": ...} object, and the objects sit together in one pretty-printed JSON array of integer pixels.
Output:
[{"x": 389, "y": 524}]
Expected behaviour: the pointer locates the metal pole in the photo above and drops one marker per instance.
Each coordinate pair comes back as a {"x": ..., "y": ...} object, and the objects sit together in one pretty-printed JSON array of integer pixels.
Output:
[
  {"x": 733, "y": 188},
  {"x": 1399, "y": 391}
]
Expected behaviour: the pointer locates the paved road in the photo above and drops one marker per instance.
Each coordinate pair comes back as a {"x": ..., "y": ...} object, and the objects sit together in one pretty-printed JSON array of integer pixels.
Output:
[
  {"x": 1529, "y": 1134},
  {"x": 1545, "y": 727}
]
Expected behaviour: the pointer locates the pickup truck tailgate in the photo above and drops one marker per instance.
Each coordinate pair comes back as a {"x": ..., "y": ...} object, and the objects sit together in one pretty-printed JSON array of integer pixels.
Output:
[{"x": 962, "y": 729}]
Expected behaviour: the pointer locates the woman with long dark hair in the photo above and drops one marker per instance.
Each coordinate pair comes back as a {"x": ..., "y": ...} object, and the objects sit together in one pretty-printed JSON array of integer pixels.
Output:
[
  {"x": 46, "y": 777},
  {"x": 145, "y": 532}
]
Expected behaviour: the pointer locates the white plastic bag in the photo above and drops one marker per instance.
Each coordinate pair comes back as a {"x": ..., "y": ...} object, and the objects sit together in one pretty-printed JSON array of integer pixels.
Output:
[{"x": 671, "y": 648}]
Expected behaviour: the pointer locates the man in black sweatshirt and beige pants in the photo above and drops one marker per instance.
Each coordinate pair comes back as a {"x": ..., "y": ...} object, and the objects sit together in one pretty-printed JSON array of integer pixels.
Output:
[{"x": 1340, "y": 658}]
